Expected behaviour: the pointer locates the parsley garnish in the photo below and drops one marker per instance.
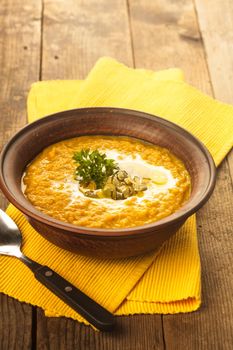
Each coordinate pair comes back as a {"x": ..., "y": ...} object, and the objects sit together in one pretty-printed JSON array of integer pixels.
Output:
[{"x": 93, "y": 166}]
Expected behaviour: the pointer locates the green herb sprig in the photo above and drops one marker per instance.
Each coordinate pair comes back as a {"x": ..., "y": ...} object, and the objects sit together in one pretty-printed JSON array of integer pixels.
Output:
[{"x": 93, "y": 166}]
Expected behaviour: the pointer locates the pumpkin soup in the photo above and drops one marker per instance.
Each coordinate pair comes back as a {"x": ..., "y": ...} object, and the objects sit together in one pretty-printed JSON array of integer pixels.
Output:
[{"x": 106, "y": 182}]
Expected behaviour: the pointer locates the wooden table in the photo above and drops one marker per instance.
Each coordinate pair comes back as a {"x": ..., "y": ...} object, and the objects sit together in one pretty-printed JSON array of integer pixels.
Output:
[{"x": 62, "y": 39}]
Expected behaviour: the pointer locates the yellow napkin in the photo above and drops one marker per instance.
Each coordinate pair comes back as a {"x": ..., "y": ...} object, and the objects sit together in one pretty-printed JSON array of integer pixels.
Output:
[{"x": 167, "y": 281}]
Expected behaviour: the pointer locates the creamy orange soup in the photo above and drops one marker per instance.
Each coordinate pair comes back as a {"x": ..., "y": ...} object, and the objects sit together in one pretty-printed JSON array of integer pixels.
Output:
[{"x": 50, "y": 185}]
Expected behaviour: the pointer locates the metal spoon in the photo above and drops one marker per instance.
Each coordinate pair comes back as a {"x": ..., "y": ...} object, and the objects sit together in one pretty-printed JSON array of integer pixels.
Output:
[{"x": 10, "y": 242}]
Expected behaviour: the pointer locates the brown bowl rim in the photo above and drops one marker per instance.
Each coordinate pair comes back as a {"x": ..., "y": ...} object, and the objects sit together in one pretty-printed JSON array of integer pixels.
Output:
[{"x": 179, "y": 215}]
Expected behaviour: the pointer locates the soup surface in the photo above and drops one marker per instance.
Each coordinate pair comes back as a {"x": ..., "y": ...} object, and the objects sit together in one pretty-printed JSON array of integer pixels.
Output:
[{"x": 51, "y": 186}]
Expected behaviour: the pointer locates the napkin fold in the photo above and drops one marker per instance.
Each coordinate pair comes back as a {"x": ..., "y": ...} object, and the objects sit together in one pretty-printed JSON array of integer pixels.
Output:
[{"x": 164, "y": 281}]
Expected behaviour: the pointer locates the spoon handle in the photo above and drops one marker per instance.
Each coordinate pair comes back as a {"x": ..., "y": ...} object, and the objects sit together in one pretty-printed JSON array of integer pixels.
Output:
[{"x": 80, "y": 302}]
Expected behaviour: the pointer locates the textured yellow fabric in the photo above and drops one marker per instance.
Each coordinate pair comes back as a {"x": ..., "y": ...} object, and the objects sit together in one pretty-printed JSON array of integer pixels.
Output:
[
  {"x": 47, "y": 97},
  {"x": 167, "y": 281}
]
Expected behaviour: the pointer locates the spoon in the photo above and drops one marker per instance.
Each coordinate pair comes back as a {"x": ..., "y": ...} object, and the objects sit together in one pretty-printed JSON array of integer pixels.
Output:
[{"x": 10, "y": 242}]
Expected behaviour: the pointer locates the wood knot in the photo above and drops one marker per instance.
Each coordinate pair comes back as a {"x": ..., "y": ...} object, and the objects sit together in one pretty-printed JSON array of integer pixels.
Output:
[{"x": 188, "y": 27}]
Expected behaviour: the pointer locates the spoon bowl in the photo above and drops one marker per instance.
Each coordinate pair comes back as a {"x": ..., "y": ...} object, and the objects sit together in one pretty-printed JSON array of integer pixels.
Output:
[{"x": 10, "y": 236}]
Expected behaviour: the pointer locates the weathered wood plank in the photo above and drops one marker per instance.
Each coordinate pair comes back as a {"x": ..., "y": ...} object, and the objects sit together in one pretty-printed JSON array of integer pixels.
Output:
[
  {"x": 19, "y": 62},
  {"x": 169, "y": 36},
  {"x": 19, "y": 67},
  {"x": 216, "y": 24},
  {"x": 138, "y": 333},
  {"x": 15, "y": 324},
  {"x": 90, "y": 29},
  {"x": 166, "y": 34}
]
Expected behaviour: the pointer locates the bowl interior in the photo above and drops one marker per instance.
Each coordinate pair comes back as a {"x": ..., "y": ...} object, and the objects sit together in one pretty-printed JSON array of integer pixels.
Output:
[{"x": 32, "y": 139}]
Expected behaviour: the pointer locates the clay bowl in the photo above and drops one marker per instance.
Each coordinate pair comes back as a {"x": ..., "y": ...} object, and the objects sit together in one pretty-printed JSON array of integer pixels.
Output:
[{"x": 117, "y": 243}]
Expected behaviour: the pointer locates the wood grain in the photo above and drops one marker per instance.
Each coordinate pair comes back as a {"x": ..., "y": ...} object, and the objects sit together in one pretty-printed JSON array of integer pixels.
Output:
[
  {"x": 216, "y": 27},
  {"x": 173, "y": 27},
  {"x": 133, "y": 332},
  {"x": 77, "y": 32},
  {"x": 19, "y": 63},
  {"x": 15, "y": 324},
  {"x": 218, "y": 39},
  {"x": 19, "y": 67},
  {"x": 165, "y": 34}
]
